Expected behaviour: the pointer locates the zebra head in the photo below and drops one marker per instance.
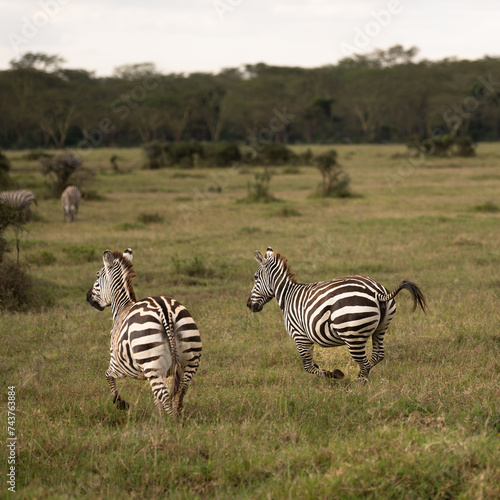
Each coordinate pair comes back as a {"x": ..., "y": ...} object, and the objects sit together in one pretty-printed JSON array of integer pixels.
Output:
[
  {"x": 262, "y": 291},
  {"x": 101, "y": 294}
]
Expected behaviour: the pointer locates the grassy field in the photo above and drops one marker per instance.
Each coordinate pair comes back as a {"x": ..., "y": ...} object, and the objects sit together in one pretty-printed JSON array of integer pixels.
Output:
[{"x": 256, "y": 425}]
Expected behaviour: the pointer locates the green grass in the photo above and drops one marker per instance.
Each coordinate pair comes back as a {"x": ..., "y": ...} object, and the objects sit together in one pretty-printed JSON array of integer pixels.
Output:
[{"x": 256, "y": 425}]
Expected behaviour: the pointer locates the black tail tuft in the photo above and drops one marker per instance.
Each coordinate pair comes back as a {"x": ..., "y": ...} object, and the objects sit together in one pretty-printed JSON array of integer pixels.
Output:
[{"x": 416, "y": 293}]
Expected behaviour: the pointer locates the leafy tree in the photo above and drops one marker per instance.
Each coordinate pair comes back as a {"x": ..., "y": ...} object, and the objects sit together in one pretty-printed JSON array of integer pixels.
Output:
[
  {"x": 60, "y": 168},
  {"x": 37, "y": 60}
]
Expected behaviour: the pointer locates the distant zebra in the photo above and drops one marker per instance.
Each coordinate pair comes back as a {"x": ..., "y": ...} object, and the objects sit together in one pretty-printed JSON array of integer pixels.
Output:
[
  {"x": 70, "y": 200},
  {"x": 344, "y": 311},
  {"x": 20, "y": 199},
  {"x": 150, "y": 338}
]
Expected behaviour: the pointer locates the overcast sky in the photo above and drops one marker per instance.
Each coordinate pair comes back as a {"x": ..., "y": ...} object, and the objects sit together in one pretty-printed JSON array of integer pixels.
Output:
[{"x": 186, "y": 36}]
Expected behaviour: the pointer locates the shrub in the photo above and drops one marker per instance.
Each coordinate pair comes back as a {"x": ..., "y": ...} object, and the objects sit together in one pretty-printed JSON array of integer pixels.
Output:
[
  {"x": 60, "y": 168},
  {"x": 465, "y": 146},
  {"x": 183, "y": 153},
  {"x": 154, "y": 152},
  {"x": 42, "y": 258},
  {"x": 259, "y": 190},
  {"x": 195, "y": 268},
  {"x": 335, "y": 181},
  {"x": 14, "y": 218},
  {"x": 287, "y": 211},
  {"x": 488, "y": 208},
  {"x": 167, "y": 154},
  {"x": 222, "y": 154},
  {"x": 438, "y": 146},
  {"x": 80, "y": 253},
  {"x": 15, "y": 286},
  {"x": 305, "y": 158},
  {"x": 274, "y": 153},
  {"x": 148, "y": 218}
]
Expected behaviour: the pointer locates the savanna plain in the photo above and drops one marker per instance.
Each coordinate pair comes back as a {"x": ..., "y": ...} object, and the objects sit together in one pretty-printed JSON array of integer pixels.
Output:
[{"x": 255, "y": 424}]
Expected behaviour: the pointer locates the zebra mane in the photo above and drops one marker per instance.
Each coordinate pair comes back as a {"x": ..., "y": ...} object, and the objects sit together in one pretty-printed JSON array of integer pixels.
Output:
[
  {"x": 128, "y": 272},
  {"x": 284, "y": 262}
]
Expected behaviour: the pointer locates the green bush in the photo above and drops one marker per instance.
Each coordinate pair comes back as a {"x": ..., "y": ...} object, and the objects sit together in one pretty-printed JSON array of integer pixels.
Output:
[
  {"x": 465, "y": 146},
  {"x": 222, "y": 154},
  {"x": 80, "y": 253},
  {"x": 13, "y": 218},
  {"x": 488, "y": 208},
  {"x": 335, "y": 181},
  {"x": 195, "y": 268},
  {"x": 60, "y": 168},
  {"x": 168, "y": 154},
  {"x": 15, "y": 286},
  {"x": 148, "y": 218},
  {"x": 274, "y": 153},
  {"x": 42, "y": 258},
  {"x": 259, "y": 190}
]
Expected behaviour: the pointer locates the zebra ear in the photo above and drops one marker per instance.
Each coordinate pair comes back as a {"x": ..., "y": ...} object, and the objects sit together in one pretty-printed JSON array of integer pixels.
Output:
[
  {"x": 128, "y": 255},
  {"x": 259, "y": 257},
  {"x": 107, "y": 258},
  {"x": 269, "y": 252}
]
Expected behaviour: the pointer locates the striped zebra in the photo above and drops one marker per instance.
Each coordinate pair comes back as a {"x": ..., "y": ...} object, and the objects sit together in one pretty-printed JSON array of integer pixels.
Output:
[
  {"x": 150, "y": 338},
  {"x": 21, "y": 200},
  {"x": 70, "y": 199},
  {"x": 344, "y": 311}
]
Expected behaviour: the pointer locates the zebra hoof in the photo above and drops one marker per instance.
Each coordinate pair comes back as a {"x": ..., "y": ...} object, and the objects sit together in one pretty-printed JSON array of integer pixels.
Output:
[
  {"x": 335, "y": 374},
  {"x": 121, "y": 405}
]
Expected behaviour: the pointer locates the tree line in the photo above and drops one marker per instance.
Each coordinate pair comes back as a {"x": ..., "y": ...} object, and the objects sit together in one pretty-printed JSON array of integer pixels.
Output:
[{"x": 384, "y": 96}]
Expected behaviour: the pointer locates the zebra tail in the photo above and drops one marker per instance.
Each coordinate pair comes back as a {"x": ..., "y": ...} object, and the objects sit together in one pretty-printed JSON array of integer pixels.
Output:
[
  {"x": 416, "y": 293},
  {"x": 176, "y": 365}
]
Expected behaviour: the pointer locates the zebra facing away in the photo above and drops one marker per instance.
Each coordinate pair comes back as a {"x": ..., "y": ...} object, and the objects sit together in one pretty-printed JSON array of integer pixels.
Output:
[
  {"x": 70, "y": 199},
  {"x": 20, "y": 199},
  {"x": 343, "y": 311},
  {"x": 150, "y": 339}
]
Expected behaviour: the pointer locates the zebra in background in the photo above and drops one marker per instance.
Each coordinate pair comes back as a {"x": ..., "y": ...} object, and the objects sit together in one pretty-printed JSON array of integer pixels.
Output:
[
  {"x": 344, "y": 311},
  {"x": 20, "y": 200},
  {"x": 70, "y": 200},
  {"x": 150, "y": 338}
]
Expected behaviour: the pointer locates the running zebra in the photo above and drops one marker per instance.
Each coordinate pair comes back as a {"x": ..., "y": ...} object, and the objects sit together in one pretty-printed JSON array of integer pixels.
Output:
[
  {"x": 150, "y": 338},
  {"x": 329, "y": 313},
  {"x": 70, "y": 200},
  {"x": 21, "y": 200}
]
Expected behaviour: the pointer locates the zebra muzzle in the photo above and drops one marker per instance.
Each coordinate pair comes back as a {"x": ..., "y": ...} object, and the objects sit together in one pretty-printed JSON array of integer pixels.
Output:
[
  {"x": 93, "y": 302},
  {"x": 253, "y": 306}
]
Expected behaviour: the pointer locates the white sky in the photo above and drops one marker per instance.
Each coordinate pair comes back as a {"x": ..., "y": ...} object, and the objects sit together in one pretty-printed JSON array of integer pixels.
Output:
[{"x": 186, "y": 36}]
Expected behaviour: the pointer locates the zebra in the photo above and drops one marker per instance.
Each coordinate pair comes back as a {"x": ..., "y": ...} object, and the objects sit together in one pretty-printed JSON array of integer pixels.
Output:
[
  {"x": 150, "y": 338},
  {"x": 70, "y": 199},
  {"x": 343, "y": 311},
  {"x": 20, "y": 200}
]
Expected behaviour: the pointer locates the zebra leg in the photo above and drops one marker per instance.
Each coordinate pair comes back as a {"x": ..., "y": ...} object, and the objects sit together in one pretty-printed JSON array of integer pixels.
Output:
[
  {"x": 189, "y": 373},
  {"x": 119, "y": 402},
  {"x": 160, "y": 392},
  {"x": 358, "y": 353},
  {"x": 378, "y": 348},
  {"x": 306, "y": 353}
]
